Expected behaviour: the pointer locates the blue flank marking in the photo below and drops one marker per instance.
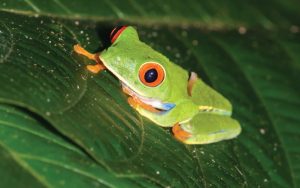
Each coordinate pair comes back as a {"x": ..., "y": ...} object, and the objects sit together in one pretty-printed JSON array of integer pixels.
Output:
[
  {"x": 168, "y": 106},
  {"x": 220, "y": 131}
]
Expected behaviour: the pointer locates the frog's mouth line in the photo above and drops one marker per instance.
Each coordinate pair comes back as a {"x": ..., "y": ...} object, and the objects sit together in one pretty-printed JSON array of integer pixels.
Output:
[{"x": 150, "y": 104}]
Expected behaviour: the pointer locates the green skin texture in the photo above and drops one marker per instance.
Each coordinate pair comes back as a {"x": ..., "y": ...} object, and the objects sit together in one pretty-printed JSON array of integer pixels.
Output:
[{"x": 124, "y": 59}]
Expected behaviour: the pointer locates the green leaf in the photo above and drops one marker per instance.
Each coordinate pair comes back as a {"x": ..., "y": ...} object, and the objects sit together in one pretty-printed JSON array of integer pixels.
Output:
[
  {"x": 211, "y": 14},
  {"x": 62, "y": 126},
  {"x": 37, "y": 155}
]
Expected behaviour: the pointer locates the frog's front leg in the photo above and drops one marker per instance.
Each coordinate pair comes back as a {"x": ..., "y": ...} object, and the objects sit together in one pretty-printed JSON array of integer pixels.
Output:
[
  {"x": 136, "y": 103},
  {"x": 182, "y": 112},
  {"x": 92, "y": 68},
  {"x": 173, "y": 118}
]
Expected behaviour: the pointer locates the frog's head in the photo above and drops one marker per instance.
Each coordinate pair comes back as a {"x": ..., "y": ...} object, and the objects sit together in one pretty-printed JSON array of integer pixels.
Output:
[{"x": 144, "y": 72}]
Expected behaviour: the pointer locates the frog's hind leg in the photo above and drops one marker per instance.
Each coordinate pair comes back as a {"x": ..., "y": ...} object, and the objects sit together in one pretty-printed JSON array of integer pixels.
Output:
[
  {"x": 92, "y": 68},
  {"x": 207, "y": 128},
  {"x": 204, "y": 96}
]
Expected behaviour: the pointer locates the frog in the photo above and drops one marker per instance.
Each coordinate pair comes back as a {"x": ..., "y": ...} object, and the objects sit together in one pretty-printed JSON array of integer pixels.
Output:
[{"x": 163, "y": 91}]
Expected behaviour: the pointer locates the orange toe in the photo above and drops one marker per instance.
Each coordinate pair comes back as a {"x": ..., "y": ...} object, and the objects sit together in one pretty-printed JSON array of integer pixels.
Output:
[
  {"x": 78, "y": 49},
  {"x": 179, "y": 133},
  {"x": 95, "y": 68},
  {"x": 92, "y": 68}
]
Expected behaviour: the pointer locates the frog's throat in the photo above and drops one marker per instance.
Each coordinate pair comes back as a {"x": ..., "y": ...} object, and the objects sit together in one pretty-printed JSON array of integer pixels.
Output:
[{"x": 157, "y": 105}]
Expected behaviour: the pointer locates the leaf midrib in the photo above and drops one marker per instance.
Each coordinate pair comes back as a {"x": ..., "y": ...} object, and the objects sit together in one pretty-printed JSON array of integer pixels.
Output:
[
  {"x": 214, "y": 25},
  {"x": 38, "y": 135},
  {"x": 23, "y": 164}
]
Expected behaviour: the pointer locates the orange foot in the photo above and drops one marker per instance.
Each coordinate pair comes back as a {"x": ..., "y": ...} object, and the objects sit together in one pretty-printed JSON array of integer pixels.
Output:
[
  {"x": 179, "y": 133},
  {"x": 92, "y": 68}
]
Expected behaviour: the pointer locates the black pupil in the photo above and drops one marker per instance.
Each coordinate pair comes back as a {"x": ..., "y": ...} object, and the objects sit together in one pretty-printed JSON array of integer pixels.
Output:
[{"x": 151, "y": 75}]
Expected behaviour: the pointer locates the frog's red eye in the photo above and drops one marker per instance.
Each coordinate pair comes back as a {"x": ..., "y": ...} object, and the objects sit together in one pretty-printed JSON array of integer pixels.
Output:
[
  {"x": 115, "y": 33},
  {"x": 151, "y": 74}
]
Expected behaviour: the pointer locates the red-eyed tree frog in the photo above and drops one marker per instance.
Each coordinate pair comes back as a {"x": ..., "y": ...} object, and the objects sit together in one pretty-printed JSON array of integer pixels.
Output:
[{"x": 163, "y": 91}]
